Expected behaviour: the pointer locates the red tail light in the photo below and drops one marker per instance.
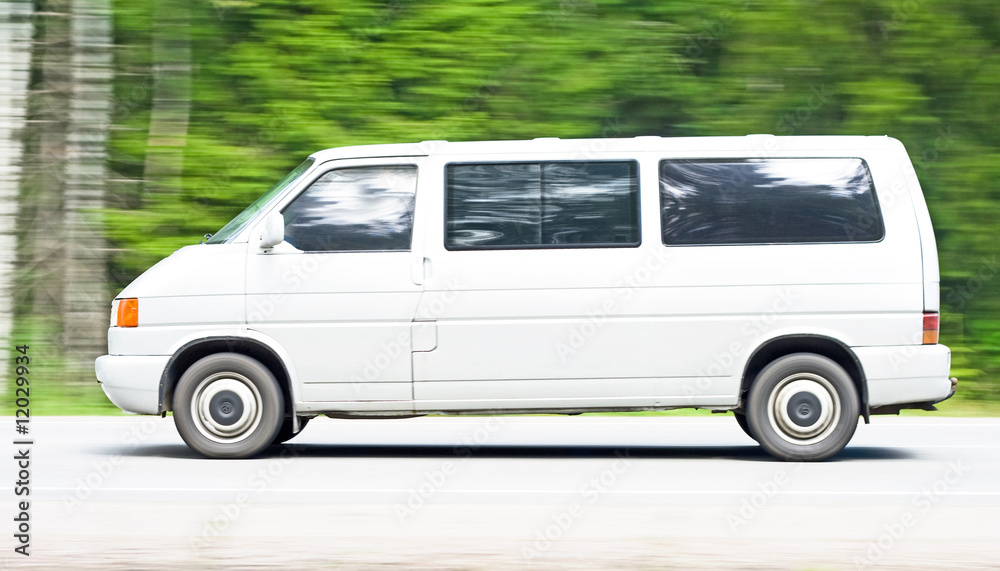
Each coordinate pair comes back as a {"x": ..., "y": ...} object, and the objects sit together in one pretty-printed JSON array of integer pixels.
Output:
[{"x": 932, "y": 324}]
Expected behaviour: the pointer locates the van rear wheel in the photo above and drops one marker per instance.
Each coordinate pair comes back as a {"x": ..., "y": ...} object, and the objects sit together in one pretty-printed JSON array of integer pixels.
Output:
[
  {"x": 803, "y": 407},
  {"x": 228, "y": 405}
]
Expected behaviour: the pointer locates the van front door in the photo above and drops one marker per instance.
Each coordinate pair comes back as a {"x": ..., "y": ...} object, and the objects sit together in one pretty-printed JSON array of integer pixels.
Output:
[{"x": 339, "y": 295}]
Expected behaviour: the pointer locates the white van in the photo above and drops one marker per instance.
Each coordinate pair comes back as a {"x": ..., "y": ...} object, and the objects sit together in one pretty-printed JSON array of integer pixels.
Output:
[{"x": 791, "y": 280}]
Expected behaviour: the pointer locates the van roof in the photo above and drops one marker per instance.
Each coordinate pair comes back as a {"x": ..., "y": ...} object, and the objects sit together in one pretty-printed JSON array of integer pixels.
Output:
[{"x": 750, "y": 143}]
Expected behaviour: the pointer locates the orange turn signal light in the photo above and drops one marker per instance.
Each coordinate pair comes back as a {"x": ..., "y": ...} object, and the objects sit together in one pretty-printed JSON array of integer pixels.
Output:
[
  {"x": 128, "y": 313},
  {"x": 932, "y": 325}
]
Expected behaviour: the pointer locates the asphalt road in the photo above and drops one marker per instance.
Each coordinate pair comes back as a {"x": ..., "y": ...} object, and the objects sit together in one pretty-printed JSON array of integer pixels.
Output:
[{"x": 487, "y": 493}]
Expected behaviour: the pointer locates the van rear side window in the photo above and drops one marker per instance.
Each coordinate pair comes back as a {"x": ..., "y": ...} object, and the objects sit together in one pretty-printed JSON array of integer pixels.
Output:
[
  {"x": 542, "y": 205},
  {"x": 767, "y": 201}
]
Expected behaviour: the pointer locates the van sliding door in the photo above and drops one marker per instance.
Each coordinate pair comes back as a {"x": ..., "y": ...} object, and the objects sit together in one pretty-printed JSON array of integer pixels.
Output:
[{"x": 529, "y": 286}]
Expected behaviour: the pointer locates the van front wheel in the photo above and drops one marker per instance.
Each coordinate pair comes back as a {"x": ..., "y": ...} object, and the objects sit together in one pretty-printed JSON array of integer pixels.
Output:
[
  {"x": 803, "y": 407},
  {"x": 228, "y": 405}
]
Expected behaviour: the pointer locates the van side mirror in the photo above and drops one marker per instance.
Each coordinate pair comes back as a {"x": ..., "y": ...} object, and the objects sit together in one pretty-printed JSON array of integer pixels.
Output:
[{"x": 273, "y": 232}]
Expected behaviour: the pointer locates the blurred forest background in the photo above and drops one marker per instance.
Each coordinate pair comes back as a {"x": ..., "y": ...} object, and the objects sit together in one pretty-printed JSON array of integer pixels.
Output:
[{"x": 131, "y": 128}]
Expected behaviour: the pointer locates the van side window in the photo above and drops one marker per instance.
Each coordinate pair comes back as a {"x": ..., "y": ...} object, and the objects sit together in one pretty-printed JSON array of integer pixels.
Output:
[
  {"x": 352, "y": 209},
  {"x": 542, "y": 205},
  {"x": 768, "y": 201}
]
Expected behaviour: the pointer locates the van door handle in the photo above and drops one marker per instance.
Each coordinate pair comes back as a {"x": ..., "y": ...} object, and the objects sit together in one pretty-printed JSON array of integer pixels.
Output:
[{"x": 420, "y": 270}]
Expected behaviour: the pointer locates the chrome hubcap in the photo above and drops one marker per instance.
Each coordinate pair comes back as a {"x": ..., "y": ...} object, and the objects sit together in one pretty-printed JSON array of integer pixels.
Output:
[
  {"x": 803, "y": 408},
  {"x": 226, "y": 407}
]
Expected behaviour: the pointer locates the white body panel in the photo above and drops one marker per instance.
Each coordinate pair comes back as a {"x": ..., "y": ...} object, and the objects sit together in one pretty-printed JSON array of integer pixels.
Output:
[
  {"x": 347, "y": 322},
  {"x": 650, "y": 326},
  {"x": 132, "y": 382}
]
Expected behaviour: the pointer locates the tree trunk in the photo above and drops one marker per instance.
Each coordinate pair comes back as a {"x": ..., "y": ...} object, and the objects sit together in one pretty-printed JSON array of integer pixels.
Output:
[
  {"x": 86, "y": 299},
  {"x": 62, "y": 282},
  {"x": 168, "y": 123},
  {"x": 41, "y": 276},
  {"x": 16, "y": 31}
]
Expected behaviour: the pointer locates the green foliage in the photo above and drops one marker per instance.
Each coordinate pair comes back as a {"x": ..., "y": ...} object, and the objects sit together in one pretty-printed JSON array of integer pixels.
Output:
[
  {"x": 275, "y": 80},
  {"x": 48, "y": 372}
]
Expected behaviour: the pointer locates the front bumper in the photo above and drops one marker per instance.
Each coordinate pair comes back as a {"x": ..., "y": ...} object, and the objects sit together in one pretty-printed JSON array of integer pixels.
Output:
[{"x": 132, "y": 382}]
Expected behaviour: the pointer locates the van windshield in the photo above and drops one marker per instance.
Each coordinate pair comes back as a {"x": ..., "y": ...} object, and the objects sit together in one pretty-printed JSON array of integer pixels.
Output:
[{"x": 243, "y": 218}]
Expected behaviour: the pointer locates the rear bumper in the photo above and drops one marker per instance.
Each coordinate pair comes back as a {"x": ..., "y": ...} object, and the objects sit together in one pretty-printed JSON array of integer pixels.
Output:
[
  {"x": 927, "y": 405},
  {"x": 132, "y": 382},
  {"x": 913, "y": 375}
]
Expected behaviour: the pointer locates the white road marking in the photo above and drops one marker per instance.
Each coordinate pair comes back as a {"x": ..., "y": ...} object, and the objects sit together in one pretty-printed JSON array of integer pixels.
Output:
[{"x": 445, "y": 491}]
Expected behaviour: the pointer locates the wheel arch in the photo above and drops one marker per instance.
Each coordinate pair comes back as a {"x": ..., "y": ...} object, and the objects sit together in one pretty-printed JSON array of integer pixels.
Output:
[
  {"x": 192, "y": 351},
  {"x": 828, "y": 347}
]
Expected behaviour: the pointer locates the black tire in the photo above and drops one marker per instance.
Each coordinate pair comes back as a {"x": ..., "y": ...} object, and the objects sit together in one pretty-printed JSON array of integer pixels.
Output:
[
  {"x": 741, "y": 419},
  {"x": 285, "y": 433},
  {"x": 228, "y": 405},
  {"x": 803, "y": 407}
]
